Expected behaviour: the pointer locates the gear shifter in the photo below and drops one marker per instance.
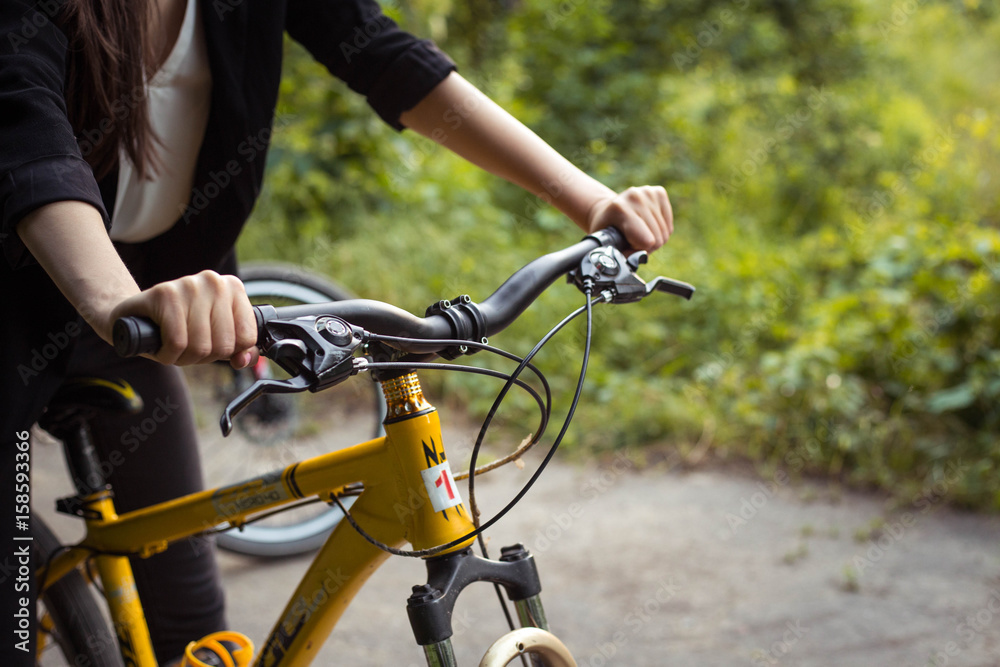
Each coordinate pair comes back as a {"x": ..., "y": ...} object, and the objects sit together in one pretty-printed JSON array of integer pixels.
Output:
[{"x": 606, "y": 269}]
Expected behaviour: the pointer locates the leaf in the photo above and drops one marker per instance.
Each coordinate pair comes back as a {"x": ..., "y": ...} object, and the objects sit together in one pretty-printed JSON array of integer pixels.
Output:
[{"x": 948, "y": 400}]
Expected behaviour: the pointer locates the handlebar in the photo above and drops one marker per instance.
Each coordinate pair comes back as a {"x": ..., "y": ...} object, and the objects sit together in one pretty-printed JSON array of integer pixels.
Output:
[
  {"x": 460, "y": 319},
  {"x": 315, "y": 343}
]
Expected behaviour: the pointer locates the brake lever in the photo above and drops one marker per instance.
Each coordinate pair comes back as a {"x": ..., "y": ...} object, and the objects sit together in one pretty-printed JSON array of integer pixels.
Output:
[
  {"x": 670, "y": 286},
  {"x": 255, "y": 391},
  {"x": 317, "y": 352}
]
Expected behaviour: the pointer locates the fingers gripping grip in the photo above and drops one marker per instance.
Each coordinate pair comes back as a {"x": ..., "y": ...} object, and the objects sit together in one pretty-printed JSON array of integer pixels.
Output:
[{"x": 134, "y": 335}]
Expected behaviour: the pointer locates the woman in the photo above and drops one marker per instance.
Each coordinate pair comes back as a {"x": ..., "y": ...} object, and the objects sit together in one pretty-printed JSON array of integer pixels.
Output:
[{"x": 134, "y": 134}]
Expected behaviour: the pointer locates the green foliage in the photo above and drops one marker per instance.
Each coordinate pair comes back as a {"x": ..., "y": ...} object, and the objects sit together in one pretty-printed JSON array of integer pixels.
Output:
[{"x": 833, "y": 167}]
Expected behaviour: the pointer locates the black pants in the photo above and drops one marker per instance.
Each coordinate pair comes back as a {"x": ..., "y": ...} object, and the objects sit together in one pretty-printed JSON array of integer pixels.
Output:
[
  {"x": 153, "y": 457},
  {"x": 154, "y": 454}
]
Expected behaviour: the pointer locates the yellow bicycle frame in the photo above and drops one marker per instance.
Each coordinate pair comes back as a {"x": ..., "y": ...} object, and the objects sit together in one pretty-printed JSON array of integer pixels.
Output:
[{"x": 396, "y": 506}]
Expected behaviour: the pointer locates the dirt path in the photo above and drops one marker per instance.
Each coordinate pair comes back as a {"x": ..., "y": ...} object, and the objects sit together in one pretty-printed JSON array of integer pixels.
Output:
[{"x": 662, "y": 567}]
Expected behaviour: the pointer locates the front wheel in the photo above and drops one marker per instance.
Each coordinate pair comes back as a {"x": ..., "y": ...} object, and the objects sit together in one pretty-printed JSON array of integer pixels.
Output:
[
  {"x": 278, "y": 430},
  {"x": 543, "y": 647}
]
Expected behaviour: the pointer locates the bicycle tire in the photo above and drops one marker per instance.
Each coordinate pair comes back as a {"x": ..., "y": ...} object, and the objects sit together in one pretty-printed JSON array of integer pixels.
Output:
[
  {"x": 80, "y": 629},
  {"x": 266, "y": 283},
  {"x": 534, "y": 642}
]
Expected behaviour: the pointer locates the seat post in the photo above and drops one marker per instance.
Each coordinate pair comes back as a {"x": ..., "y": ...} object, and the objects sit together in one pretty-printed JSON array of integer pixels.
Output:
[{"x": 82, "y": 458}]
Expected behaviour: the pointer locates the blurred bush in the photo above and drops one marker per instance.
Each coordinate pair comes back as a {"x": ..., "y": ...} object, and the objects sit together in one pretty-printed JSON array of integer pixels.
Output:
[{"x": 833, "y": 166}]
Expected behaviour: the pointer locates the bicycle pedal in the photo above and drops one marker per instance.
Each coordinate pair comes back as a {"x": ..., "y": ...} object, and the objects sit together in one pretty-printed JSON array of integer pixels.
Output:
[{"x": 219, "y": 649}]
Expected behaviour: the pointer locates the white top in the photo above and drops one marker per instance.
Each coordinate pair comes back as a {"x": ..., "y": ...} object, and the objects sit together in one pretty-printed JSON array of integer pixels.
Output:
[{"x": 179, "y": 98}]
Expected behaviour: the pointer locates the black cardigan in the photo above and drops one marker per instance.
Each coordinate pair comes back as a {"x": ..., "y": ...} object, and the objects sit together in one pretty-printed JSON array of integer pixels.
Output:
[{"x": 41, "y": 162}]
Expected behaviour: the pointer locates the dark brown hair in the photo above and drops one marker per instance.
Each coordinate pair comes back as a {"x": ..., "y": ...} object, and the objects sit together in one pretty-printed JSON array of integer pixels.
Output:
[{"x": 109, "y": 55}]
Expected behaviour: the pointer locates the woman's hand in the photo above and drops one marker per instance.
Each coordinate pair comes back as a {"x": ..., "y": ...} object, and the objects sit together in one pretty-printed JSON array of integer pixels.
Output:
[
  {"x": 643, "y": 215},
  {"x": 202, "y": 318}
]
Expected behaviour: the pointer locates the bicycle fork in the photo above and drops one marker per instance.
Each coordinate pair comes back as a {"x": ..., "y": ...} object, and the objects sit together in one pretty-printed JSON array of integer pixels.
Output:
[{"x": 431, "y": 605}]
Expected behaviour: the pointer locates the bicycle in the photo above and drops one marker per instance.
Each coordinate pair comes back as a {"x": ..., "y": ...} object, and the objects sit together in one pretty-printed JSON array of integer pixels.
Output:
[
  {"x": 278, "y": 429},
  {"x": 321, "y": 346}
]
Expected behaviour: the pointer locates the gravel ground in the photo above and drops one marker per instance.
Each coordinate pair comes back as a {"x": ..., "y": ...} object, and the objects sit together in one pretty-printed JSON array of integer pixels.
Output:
[{"x": 663, "y": 566}]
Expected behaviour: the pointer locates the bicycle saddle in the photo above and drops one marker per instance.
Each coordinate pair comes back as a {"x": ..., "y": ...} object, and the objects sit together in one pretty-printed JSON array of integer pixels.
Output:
[{"x": 79, "y": 398}]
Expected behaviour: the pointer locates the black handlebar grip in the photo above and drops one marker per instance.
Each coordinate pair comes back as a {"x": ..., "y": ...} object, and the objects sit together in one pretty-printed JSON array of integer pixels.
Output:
[
  {"x": 612, "y": 235},
  {"x": 136, "y": 335}
]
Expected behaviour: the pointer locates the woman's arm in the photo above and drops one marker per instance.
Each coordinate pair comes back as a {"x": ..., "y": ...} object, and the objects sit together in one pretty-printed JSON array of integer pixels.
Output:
[
  {"x": 458, "y": 116},
  {"x": 69, "y": 241},
  {"x": 202, "y": 317}
]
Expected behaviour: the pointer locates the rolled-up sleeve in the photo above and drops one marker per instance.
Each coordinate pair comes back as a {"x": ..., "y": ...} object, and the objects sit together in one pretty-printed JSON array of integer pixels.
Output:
[
  {"x": 40, "y": 161},
  {"x": 367, "y": 50}
]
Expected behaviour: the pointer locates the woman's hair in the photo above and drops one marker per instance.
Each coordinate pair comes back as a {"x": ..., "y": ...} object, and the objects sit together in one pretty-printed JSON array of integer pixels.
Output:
[{"x": 110, "y": 51}]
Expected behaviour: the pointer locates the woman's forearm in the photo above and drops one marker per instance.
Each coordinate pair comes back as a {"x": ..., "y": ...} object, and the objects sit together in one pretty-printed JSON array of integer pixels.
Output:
[
  {"x": 458, "y": 116},
  {"x": 202, "y": 318},
  {"x": 69, "y": 241}
]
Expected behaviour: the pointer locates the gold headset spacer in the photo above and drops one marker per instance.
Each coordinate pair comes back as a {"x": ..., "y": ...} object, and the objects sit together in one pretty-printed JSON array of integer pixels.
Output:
[{"x": 403, "y": 396}]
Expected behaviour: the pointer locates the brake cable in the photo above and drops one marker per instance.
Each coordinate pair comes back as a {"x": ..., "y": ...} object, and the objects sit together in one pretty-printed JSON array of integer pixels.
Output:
[
  {"x": 474, "y": 370},
  {"x": 512, "y": 380},
  {"x": 496, "y": 404},
  {"x": 546, "y": 411}
]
